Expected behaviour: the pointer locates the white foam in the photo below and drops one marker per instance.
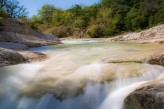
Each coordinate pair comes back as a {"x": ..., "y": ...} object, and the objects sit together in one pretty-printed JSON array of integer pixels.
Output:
[{"x": 92, "y": 71}]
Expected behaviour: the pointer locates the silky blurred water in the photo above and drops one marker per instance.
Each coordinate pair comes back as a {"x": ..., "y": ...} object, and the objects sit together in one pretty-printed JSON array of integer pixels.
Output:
[{"x": 75, "y": 61}]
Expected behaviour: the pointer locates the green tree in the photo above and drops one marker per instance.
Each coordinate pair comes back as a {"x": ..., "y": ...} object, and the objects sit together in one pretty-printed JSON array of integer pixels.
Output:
[
  {"x": 107, "y": 18},
  {"x": 80, "y": 23},
  {"x": 35, "y": 22},
  {"x": 46, "y": 13},
  {"x": 58, "y": 17},
  {"x": 13, "y": 8}
]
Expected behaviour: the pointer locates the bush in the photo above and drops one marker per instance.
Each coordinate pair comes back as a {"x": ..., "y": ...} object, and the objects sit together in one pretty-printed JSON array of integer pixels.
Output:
[
  {"x": 1, "y": 21},
  {"x": 3, "y": 14},
  {"x": 60, "y": 31},
  {"x": 80, "y": 23},
  {"x": 96, "y": 31}
]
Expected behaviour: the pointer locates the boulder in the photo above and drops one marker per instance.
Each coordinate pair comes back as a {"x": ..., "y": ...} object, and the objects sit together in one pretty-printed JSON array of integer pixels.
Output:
[
  {"x": 157, "y": 59},
  {"x": 11, "y": 57},
  {"x": 148, "y": 96},
  {"x": 17, "y": 32}
]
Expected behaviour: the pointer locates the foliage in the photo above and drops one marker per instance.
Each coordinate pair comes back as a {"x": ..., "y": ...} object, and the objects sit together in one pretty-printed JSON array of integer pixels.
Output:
[
  {"x": 46, "y": 13},
  {"x": 96, "y": 31},
  {"x": 13, "y": 8},
  {"x": 80, "y": 23},
  {"x": 1, "y": 21},
  {"x": 60, "y": 31},
  {"x": 107, "y": 18},
  {"x": 3, "y": 15}
]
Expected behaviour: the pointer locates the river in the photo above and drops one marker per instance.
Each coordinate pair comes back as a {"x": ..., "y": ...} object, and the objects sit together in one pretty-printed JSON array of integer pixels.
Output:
[{"x": 79, "y": 75}]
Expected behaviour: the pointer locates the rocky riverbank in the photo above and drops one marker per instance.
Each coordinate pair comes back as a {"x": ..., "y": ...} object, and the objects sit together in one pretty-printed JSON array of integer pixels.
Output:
[
  {"x": 10, "y": 57},
  {"x": 16, "y": 38},
  {"x": 155, "y": 34},
  {"x": 151, "y": 94}
]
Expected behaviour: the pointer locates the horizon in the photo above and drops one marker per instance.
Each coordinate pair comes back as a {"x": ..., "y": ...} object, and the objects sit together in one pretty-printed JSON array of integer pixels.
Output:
[{"x": 33, "y": 6}]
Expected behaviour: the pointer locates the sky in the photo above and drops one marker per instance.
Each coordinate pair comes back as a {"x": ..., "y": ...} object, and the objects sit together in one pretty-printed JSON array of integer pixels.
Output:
[{"x": 34, "y": 5}]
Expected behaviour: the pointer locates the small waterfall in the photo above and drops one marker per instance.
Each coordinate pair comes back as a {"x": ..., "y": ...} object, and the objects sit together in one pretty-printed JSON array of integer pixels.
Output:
[
  {"x": 14, "y": 83},
  {"x": 74, "y": 66},
  {"x": 96, "y": 96}
]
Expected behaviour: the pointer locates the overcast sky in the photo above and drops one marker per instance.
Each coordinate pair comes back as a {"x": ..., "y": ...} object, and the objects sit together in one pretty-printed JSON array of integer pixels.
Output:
[{"x": 34, "y": 5}]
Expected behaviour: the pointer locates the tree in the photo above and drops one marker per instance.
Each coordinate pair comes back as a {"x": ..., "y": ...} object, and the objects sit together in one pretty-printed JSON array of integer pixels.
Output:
[
  {"x": 104, "y": 16},
  {"x": 80, "y": 23},
  {"x": 58, "y": 17},
  {"x": 13, "y": 8},
  {"x": 46, "y": 12},
  {"x": 35, "y": 22},
  {"x": 2, "y": 3},
  {"x": 76, "y": 10},
  {"x": 107, "y": 18}
]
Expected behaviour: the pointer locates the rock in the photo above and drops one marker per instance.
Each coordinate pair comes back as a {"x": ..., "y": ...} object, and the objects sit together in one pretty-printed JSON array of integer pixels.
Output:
[
  {"x": 33, "y": 56},
  {"x": 17, "y": 32},
  {"x": 11, "y": 45},
  {"x": 157, "y": 59},
  {"x": 16, "y": 36},
  {"x": 10, "y": 57},
  {"x": 30, "y": 41},
  {"x": 148, "y": 96},
  {"x": 73, "y": 83},
  {"x": 155, "y": 34}
]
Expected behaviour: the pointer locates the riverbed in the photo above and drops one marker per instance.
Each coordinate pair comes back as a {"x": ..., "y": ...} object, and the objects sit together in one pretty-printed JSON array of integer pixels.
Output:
[{"x": 79, "y": 75}]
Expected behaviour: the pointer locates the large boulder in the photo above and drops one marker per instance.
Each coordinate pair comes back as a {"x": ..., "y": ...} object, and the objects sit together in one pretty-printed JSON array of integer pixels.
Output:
[
  {"x": 10, "y": 57},
  {"x": 14, "y": 31},
  {"x": 148, "y": 96}
]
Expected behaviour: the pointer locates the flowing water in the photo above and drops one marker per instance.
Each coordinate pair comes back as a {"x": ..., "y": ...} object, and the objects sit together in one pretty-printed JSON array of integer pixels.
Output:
[{"x": 78, "y": 75}]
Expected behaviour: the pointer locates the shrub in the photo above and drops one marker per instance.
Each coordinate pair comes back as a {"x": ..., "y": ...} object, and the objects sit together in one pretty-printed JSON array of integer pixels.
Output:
[
  {"x": 1, "y": 21},
  {"x": 3, "y": 14},
  {"x": 80, "y": 23},
  {"x": 96, "y": 31},
  {"x": 60, "y": 31}
]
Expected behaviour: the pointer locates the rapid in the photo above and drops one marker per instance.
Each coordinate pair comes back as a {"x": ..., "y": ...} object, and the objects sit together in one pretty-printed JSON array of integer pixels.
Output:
[{"x": 79, "y": 75}]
